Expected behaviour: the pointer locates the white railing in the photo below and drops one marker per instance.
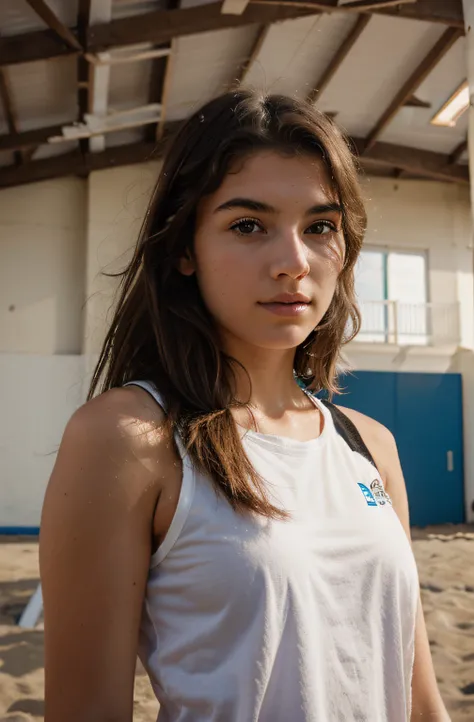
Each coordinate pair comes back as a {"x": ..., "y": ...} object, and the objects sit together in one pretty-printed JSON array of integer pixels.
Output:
[{"x": 409, "y": 324}]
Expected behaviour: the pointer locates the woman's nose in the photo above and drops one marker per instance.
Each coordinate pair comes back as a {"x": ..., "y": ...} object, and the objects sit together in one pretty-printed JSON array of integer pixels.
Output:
[{"x": 290, "y": 256}]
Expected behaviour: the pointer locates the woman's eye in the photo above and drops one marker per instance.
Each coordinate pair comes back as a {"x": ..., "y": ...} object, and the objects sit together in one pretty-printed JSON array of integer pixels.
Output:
[
  {"x": 246, "y": 227},
  {"x": 321, "y": 228}
]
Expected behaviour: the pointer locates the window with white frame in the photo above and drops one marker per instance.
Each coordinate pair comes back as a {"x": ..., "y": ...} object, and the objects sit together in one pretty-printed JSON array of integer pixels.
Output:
[{"x": 391, "y": 288}]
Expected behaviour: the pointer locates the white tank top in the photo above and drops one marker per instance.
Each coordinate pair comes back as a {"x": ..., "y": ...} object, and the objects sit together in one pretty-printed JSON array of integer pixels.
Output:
[{"x": 306, "y": 620}]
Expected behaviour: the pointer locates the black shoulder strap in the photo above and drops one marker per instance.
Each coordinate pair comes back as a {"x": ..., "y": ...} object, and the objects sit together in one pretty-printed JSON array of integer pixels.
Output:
[{"x": 348, "y": 431}]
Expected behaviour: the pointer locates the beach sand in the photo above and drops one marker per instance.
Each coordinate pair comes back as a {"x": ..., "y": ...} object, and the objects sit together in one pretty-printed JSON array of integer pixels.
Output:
[{"x": 445, "y": 557}]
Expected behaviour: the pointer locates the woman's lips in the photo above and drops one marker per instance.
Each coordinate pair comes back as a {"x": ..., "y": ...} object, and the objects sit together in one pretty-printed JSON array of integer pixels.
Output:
[{"x": 297, "y": 308}]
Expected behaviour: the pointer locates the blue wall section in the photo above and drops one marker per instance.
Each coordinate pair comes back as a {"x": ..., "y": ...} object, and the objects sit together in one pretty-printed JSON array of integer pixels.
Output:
[
  {"x": 19, "y": 530},
  {"x": 424, "y": 412}
]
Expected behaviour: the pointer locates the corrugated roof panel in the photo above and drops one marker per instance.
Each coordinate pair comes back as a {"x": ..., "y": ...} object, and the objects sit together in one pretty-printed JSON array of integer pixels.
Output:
[
  {"x": 126, "y": 8},
  {"x": 18, "y": 17},
  {"x": 44, "y": 92},
  {"x": 205, "y": 65},
  {"x": 129, "y": 85},
  {"x": 296, "y": 52},
  {"x": 376, "y": 69},
  {"x": 124, "y": 137},
  {"x": 411, "y": 126},
  {"x": 408, "y": 131}
]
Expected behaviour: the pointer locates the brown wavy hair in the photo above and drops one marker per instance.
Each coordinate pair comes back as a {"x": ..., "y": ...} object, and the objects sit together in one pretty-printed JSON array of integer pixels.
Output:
[{"x": 161, "y": 330}]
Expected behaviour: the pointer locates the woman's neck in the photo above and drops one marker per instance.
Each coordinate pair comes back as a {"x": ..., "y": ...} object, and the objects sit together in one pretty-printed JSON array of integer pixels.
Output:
[{"x": 267, "y": 383}]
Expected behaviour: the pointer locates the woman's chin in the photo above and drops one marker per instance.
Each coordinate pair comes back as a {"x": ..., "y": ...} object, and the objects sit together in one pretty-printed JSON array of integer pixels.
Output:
[{"x": 281, "y": 341}]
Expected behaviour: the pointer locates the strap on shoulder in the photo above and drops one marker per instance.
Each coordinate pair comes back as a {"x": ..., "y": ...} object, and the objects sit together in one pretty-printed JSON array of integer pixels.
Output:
[{"x": 348, "y": 431}]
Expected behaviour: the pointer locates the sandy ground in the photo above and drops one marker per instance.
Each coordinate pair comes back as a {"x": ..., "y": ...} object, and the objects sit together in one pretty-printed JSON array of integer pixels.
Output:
[{"x": 445, "y": 558}]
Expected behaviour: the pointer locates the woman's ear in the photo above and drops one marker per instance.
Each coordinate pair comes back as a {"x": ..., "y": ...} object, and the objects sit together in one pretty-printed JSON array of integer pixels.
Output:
[{"x": 186, "y": 265}]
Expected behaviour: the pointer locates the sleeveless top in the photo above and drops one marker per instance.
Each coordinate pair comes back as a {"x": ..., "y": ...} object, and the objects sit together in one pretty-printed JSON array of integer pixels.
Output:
[{"x": 310, "y": 619}]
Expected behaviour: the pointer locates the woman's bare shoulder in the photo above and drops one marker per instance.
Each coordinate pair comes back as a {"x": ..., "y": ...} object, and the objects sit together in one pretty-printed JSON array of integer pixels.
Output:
[
  {"x": 117, "y": 440},
  {"x": 127, "y": 416}
]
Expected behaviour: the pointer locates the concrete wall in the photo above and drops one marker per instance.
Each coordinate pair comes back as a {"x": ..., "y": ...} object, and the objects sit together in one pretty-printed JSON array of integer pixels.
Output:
[
  {"x": 39, "y": 394},
  {"x": 42, "y": 260},
  {"x": 56, "y": 239},
  {"x": 117, "y": 202}
]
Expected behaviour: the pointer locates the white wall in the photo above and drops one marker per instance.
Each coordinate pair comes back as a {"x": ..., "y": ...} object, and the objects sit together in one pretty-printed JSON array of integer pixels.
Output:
[
  {"x": 117, "y": 202},
  {"x": 39, "y": 394},
  {"x": 42, "y": 257},
  {"x": 42, "y": 261},
  {"x": 432, "y": 217},
  {"x": 57, "y": 237}
]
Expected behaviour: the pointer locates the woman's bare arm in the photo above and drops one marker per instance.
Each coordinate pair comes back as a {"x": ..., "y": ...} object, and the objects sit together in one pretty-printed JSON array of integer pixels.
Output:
[
  {"x": 95, "y": 545},
  {"x": 427, "y": 703}
]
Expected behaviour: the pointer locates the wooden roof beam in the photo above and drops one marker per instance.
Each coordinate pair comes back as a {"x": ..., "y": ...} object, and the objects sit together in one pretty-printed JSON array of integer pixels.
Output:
[
  {"x": 419, "y": 162},
  {"x": 30, "y": 138},
  {"x": 161, "y": 26},
  {"x": 458, "y": 152},
  {"x": 446, "y": 12},
  {"x": 339, "y": 57},
  {"x": 413, "y": 160},
  {"x": 437, "y": 52},
  {"x": 257, "y": 46},
  {"x": 7, "y": 102},
  {"x": 371, "y": 5},
  {"x": 83, "y": 80},
  {"x": 43, "y": 10},
  {"x": 9, "y": 110},
  {"x": 158, "y": 27}
]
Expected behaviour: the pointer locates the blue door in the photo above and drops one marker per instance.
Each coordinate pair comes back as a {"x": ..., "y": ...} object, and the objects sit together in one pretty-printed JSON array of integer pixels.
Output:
[{"x": 424, "y": 412}]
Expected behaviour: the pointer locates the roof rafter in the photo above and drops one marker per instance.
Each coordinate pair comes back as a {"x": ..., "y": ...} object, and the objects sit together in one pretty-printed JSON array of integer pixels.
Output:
[
  {"x": 446, "y": 12},
  {"x": 19, "y": 141},
  {"x": 99, "y": 75},
  {"x": 161, "y": 26},
  {"x": 43, "y": 10},
  {"x": 420, "y": 162},
  {"x": 9, "y": 109},
  {"x": 458, "y": 152},
  {"x": 437, "y": 52},
  {"x": 338, "y": 58},
  {"x": 83, "y": 19},
  {"x": 257, "y": 46},
  {"x": 371, "y": 5},
  {"x": 425, "y": 163}
]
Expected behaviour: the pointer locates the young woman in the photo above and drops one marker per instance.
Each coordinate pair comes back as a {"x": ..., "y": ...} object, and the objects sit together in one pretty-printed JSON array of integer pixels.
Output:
[{"x": 247, "y": 539}]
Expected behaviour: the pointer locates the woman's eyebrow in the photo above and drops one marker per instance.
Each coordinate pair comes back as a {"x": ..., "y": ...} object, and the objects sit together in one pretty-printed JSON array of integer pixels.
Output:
[
  {"x": 253, "y": 205},
  {"x": 324, "y": 208},
  {"x": 247, "y": 204}
]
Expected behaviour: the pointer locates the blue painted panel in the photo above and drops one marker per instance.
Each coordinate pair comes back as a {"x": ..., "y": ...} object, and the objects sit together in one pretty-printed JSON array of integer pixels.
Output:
[
  {"x": 424, "y": 412},
  {"x": 19, "y": 530},
  {"x": 429, "y": 425}
]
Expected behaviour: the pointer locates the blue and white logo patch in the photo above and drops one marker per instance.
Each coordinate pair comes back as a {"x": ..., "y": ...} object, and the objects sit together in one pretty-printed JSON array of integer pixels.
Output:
[{"x": 369, "y": 497}]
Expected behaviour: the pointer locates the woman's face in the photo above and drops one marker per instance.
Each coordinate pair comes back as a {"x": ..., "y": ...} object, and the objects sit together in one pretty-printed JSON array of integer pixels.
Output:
[{"x": 269, "y": 249}]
